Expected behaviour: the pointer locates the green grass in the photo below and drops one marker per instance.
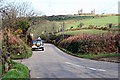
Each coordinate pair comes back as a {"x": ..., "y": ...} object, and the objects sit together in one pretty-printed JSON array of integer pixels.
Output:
[
  {"x": 91, "y": 56},
  {"x": 48, "y": 25},
  {"x": 85, "y": 31},
  {"x": 102, "y": 21},
  {"x": 116, "y": 26},
  {"x": 0, "y": 69},
  {"x": 18, "y": 71},
  {"x": 100, "y": 55}
]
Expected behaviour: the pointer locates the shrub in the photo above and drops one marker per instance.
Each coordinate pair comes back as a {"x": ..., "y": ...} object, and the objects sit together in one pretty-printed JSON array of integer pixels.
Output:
[
  {"x": 73, "y": 47},
  {"x": 91, "y": 27},
  {"x": 43, "y": 37},
  {"x": 81, "y": 25},
  {"x": 19, "y": 31},
  {"x": 17, "y": 48},
  {"x": 23, "y": 25},
  {"x": 104, "y": 28},
  {"x": 71, "y": 27},
  {"x": 102, "y": 43},
  {"x": 52, "y": 36},
  {"x": 13, "y": 39}
]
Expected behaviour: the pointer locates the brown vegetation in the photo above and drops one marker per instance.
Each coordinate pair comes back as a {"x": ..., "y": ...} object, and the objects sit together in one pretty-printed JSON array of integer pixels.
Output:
[{"x": 84, "y": 43}]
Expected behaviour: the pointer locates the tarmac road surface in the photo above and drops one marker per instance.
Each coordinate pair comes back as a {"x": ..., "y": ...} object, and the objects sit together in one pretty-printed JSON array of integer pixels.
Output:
[{"x": 53, "y": 63}]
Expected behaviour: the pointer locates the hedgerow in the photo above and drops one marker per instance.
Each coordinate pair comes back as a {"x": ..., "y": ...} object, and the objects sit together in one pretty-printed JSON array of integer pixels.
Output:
[
  {"x": 89, "y": 43},
  {"x": 17, "y": 48}
]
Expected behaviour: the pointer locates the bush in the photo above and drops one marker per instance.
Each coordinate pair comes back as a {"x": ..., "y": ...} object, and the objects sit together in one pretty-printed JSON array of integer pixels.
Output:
[
  {"x": 81, "y": 25},
  {"x": 21, "y": 51},
  {"x": 71, "y": 27},
  {"x": 43, "y": 37},
  {"x": 18, "y": 31},
  {"x": 52, "y": 36},
  {"x": 59, "y": 38},
  {"x": 91, "y": 27},
  {"x": 103, "y": 43},
  {"x": 17, "y": 48},
  {"x": 48, "y": 38},
  {"x": 23, "y": 25},
  {"x": 73, "y": 47}
]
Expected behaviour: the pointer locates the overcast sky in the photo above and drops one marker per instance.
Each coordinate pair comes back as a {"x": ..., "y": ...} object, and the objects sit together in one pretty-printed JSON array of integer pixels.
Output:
[{"x": 59, "y": 7}]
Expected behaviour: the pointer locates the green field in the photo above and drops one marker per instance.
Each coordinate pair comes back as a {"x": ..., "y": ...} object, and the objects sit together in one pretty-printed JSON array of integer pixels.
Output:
[
  {"x": 45, "y": 26},
  {"x": 101, "y": 21},
  {"x": 84, "y": 31}
]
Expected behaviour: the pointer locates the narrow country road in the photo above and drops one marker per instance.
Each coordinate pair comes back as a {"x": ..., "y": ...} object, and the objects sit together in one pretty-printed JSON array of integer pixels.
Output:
[{"x": 53, "y": 63}]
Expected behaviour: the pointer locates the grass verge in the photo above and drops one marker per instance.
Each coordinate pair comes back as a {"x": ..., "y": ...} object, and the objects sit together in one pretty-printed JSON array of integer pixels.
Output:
[
  {"x": 94, "y": 56},
  {"x": 17, "y": 72},
  {"x": 0, "y": 69}
]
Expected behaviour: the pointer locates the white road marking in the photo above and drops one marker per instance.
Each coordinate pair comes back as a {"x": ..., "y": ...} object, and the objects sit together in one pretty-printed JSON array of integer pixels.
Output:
[
  {"x": 85, "y": 67},
  {"x": 73, "y": 64},
  {"x": 95, "y": 69}
]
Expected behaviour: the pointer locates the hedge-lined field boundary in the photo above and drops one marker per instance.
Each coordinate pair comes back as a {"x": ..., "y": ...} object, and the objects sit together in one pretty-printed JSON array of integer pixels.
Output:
[{"x": 92, "y": 44}]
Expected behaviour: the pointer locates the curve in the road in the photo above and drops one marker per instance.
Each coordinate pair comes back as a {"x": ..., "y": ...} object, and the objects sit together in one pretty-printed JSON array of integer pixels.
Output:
[{"x": 53, "y": 63}]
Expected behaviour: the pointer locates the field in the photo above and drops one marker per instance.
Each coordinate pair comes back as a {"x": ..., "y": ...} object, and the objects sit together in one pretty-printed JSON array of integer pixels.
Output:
[
  {"x": 100, "y": 21},
  {"x": 53, "y": 25},
  {"x": 89, "y": 42},
  {"x": 84, "y": 31}
]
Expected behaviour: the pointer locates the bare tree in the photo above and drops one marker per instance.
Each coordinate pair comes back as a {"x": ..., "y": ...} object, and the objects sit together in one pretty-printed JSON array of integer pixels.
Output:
[
  {"x": 13, "y": 10},
  {"x": 1, "y": 3},
  {"x": 24, "y": 10}
]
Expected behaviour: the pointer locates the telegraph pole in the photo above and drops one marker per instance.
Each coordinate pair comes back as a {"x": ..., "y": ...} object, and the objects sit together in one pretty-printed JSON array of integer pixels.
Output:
[
  {"x": 53, "y": 25},
  {"x": 63, "y": 24}
]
